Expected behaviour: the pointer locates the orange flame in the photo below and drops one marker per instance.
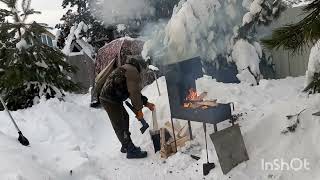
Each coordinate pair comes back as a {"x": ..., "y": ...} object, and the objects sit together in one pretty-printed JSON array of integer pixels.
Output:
[
  {"x": 193, "y": 100},
  {"x": 193, "y": 95}
]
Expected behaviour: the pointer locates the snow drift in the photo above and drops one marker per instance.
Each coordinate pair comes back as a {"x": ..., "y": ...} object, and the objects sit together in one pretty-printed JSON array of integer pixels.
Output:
[
  {"x": 247, "y": 58},
  {"x": 314, "y": 63}
]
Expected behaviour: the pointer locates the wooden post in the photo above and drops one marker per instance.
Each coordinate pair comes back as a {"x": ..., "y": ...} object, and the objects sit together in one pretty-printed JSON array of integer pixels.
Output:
[
  {"x": 174, "y": 135},
  {"x": 155, "y": 77},
  {"x": 190, "y": 130}
]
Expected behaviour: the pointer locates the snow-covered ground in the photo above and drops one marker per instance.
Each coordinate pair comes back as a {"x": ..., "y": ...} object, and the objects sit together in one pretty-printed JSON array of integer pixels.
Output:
[{"x": 70, "y": 141}]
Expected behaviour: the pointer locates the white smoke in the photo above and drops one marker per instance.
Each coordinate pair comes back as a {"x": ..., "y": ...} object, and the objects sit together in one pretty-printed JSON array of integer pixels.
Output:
[{"x": 121, "y": 11}]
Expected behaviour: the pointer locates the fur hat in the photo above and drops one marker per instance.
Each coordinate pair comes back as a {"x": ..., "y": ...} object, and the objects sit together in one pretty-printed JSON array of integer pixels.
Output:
[{"x": 137, "y": 61}]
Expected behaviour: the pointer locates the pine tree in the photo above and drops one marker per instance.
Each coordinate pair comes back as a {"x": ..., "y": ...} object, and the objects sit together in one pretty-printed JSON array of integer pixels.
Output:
[
  {"x": 30, "y": 69},
  {"x": 96, "y": 35},
  {"x": 270, "y": 10},
  {"x": 99, "y": 33}
]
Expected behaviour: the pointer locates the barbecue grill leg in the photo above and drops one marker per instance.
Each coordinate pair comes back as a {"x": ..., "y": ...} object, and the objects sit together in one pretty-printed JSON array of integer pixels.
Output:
[
  {"x": 190, "y": 130},
  {"x": 174, "y": 135}
]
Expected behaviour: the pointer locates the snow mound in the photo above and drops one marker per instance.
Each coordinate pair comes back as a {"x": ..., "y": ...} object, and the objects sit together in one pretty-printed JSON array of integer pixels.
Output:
[
  {"x": 246, "y": 57},
  {"x": 314, "y": 63}
]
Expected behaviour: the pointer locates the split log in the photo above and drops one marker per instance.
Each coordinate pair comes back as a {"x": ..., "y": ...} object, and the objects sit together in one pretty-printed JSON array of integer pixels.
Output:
[
  {"x": 168, "y": 147},
  {"x": 166, "y": 150},
  {"x": 200, "y": 104},
  {"x": 212, "y": 103}
]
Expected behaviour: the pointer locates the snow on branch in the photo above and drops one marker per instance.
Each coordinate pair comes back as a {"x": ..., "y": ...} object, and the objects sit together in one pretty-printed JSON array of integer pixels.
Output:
[
  {"x": 313, "y": 64},
  {"x": 246, "y": 57},
  {"x": 75, "y": 36},
  {"x": 22, "y": 44}
]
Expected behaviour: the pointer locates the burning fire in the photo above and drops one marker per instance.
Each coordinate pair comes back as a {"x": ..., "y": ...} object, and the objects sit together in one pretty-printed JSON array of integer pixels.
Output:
[
  {"x": 193, "y": 100},
  {"x": 193, "y": 96}
]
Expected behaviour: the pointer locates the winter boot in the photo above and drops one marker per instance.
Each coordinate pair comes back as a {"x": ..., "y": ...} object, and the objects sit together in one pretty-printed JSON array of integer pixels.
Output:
[
  {"x": 124, "y": 149},
  {"x": 135, "y": 153},
  {"x": 127, "y": 141}
]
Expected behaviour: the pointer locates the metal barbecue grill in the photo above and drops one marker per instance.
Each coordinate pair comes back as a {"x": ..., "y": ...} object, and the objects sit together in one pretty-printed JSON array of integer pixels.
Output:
[
  {"x": 181, "y": 85},
  {"x": 181, "y": 77}
]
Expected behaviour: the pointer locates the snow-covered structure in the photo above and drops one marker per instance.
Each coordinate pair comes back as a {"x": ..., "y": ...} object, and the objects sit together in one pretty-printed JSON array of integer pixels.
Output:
[
  {"x": 81, "y": 55},
  {"x": 48, "y": 38}
]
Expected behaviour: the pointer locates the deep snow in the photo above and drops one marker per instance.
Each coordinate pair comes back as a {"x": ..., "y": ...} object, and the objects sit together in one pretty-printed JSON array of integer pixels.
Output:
[{"x": 69, "y": 135}]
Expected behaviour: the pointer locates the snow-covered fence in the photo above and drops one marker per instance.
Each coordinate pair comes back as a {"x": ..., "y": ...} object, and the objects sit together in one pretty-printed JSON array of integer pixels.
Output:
[{"x": 287, "y": 64}]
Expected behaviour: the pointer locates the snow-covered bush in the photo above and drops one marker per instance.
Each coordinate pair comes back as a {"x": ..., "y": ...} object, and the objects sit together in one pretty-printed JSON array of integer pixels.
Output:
[
  {"x": 312, "y": 73},
  {"x": 212, "y": 28},
  {"x": 29, "y": 69},
  {"x": 247, "y": 58},
  {"x": 197, "y": 27}
]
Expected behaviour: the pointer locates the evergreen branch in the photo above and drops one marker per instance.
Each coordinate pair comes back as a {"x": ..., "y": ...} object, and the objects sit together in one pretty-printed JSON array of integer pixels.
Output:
[
  {"x": 26, "y": 9},
  {"x": 314, "y": 5},
  {"x": 10, "y": 3},
  {"x": 4, "y": 12},
  {"x": 295, "y": 37},
  {"x": 25, "y": 5},
  {"x": 29, "y": 12}
]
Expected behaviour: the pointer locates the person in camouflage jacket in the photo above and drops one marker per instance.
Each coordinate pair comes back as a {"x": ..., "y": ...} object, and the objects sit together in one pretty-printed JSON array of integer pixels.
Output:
[{"x": 123, "y": 83}]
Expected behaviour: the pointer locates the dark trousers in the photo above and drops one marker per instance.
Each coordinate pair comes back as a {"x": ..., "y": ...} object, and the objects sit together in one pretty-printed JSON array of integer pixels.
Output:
[{"x": 120, "y": 121}]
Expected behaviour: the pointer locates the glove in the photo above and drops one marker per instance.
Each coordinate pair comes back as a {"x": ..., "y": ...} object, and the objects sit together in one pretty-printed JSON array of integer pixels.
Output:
[
  {"x": 151, "y": 106},
  {"x": 144, "y": 100},
  {"x": 139, "y": 115}
]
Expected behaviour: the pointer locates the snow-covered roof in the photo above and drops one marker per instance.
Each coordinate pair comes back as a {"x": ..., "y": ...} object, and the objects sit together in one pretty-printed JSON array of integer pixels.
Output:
[{"x": 86, "y": 47}]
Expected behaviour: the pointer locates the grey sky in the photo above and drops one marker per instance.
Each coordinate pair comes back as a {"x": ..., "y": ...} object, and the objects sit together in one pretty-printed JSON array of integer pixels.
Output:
[{"x": 51, "y": 11}]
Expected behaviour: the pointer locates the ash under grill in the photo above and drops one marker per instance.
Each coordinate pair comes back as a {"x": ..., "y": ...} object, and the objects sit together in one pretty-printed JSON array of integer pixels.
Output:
[{"x": 180, "y": 78}]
